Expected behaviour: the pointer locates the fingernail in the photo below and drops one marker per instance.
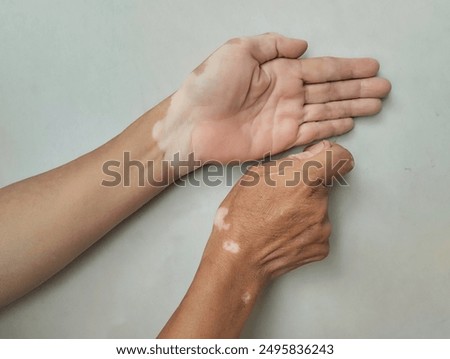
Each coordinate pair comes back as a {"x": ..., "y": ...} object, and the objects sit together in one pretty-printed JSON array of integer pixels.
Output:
[{"x": 326, "y": 144}]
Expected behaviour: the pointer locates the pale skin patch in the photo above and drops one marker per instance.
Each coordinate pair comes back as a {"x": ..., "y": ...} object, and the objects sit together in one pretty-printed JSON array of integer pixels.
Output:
[
  {"x": 246, "y": 297},
  {"x": 201, "y": 68},
  {"x": 231, "y": 246},
  {"x": 175, "y": 123},
  {"x": 219, "y": 220},
  {"x": 160, "y": 111}
]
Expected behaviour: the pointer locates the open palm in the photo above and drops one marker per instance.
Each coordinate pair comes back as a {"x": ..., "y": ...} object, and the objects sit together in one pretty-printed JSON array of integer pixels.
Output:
[{"x": 253, "y": 96}]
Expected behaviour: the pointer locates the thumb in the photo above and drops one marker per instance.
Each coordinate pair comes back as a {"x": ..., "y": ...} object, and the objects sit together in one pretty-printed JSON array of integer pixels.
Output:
[
  {"x": 269, "y": 46},
  {"x": 324, "y": 163}
]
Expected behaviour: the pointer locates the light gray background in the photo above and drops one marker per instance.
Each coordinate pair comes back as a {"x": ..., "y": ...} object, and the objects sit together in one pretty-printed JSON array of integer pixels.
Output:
[{"x": 75, "y": 73}]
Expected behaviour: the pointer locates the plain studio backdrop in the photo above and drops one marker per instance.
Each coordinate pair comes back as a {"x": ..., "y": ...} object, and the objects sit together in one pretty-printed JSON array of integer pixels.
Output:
[{"x": 73, "y": 74}]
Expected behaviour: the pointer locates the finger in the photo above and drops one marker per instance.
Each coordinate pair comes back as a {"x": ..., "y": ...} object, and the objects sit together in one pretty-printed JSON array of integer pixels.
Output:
[
  {"x": 269, "y": 46},
  {"x": 324, "y": 69},
  {"x": 313, "y": 131},
  {"x": 330, "y": 164},
  {"x": 375, "y": 87},
  {"x": 341, "y": 109},
  {"x": 316, "y": 148},
  {"x": 312, "y": 150}
]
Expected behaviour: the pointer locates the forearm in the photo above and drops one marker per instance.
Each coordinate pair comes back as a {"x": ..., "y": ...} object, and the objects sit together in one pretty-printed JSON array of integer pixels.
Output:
[
  {"x": 218, "y": 302},
  {"x": 48, "y": 220},
  {"x": 260, "y": 232}
]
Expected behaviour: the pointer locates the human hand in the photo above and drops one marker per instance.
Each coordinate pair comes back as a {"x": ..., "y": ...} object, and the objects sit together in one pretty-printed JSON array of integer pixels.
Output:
[
  {"x": 253, "y": 96},
  {"x": 273, "y": 220},
  {"x": 268, "y": 228}
]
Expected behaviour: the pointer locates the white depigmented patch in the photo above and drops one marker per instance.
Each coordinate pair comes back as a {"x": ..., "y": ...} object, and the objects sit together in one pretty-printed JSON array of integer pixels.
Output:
[
  {"x": 157, "y": 130},
  {"x": 173, "y": 133},
  {"x": 219, "y": 220},
  {"x": 231, "y": 246},
  {"x": 246, "y": 297}
]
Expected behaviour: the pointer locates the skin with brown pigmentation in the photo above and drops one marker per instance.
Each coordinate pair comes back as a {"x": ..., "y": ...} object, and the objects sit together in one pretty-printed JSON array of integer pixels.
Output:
[
  {"x": 161, "y": 109},
  {"x": 252, "y": 96},
  {"x": 274, "y": 227}
]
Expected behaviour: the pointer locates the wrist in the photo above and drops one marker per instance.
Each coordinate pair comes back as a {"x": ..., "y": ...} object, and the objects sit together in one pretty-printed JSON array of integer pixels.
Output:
[
  {"x": 158, "y": 144},
  {"x": 233, "y": 271},
  {"x": 172, "y": 130},
  {"x": 218, "y": 302}
]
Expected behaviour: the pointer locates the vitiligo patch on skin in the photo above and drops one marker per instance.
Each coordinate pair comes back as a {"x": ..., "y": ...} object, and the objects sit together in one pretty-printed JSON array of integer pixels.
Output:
[
  {"x": 180, "y": 113},
  {"x": 231, "y": 246},
  {"x": 175, "y": 122},
  {"x": 219, "y": 220},
  {"x": 246, "y": 297},
  {"x": 173, "y": 132}
]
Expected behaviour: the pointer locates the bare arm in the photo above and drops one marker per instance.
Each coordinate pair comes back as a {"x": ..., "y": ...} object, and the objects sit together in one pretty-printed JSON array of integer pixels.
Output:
[
  {"x": 48, "y": 220},
  {"x": 218, "y": 302},
  {"x": 250, "y": 97},
  {"x": 261, "y": 231}
]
